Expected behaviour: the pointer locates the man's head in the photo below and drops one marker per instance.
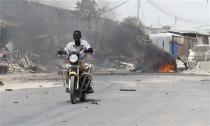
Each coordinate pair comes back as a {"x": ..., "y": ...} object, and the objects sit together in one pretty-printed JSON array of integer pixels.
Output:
[{"x": 77, "y": 35}]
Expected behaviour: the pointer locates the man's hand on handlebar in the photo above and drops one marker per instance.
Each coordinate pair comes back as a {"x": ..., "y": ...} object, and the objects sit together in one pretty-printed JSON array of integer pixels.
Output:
[
  {"x": 61, "y": 52},
  {"x": 90, "y": 50}
]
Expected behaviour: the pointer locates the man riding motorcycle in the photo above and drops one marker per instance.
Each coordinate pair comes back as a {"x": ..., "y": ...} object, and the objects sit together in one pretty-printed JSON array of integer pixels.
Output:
[{"x": 83, "y": 48}]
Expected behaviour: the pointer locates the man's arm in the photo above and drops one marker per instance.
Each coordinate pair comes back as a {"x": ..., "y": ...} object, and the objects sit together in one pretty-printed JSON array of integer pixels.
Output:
[
  {"x": 67, "y": 48},
  {"x": 88, "y": 48}
]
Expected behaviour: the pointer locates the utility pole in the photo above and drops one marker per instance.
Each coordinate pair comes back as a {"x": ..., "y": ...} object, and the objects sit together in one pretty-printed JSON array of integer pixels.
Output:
[
  {"x": 208, "y": 8},
  {"x": 137, "y": 21},
  {"x": 175, "y": 21}
]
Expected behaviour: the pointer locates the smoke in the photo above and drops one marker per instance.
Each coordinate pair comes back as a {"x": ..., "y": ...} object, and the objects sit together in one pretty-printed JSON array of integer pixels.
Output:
[
  {"x": 64, "y": 4},
  {"x": 127, "y": 42},
  {"x": 43, "y": 30}
]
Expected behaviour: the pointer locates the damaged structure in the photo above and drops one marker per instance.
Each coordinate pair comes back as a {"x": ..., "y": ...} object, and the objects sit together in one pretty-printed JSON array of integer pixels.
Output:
[
  {"x": 12, "y": 60},
  {"x": 5, "y": 37},
  {"x": 186, "y": 47},
  {"x": 42, "y": 30}
]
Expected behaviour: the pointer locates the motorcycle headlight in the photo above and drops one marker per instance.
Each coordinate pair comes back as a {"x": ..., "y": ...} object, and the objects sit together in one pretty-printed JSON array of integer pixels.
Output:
[{"x": 73, "y": 58}]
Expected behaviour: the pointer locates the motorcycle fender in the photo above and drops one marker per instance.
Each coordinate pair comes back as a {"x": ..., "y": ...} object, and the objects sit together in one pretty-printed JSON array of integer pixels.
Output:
[
  {"x": 73, "y": 73},
  {"x": 76, "y": 75}
]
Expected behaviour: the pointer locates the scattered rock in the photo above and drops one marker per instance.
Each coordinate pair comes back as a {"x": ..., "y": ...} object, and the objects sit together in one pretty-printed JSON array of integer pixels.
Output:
[
  {"x": 166, "y": 93},
  {"x": 26, "y": 96},
  {"x": 40, "y": 85},
  {"x": 127, "y": 89},
  {"x": 86, "y": 107},
  {"x": 205, "y": 80},
  {"x": 94, "y": 102},
  {"x": 8, "y": 89},
  {"x": 16, "y": 102},
  {"x": 1, "y": 83}
]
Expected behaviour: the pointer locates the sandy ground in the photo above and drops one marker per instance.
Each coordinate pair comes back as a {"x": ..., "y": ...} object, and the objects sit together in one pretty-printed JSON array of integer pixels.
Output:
[
  {"x": 24, "y": 80},
  {"x": 37, "y": 80}
]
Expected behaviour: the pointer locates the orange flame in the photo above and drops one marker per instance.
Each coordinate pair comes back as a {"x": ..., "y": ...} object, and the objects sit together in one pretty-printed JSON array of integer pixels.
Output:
[{"x": 167, "y": 68}]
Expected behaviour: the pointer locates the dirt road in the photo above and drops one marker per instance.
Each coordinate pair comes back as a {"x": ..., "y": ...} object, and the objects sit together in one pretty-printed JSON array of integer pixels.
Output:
[{"x": 155, "y": 100}]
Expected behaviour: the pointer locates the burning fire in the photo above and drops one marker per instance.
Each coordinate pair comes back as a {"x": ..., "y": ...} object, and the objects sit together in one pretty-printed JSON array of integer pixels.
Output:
[{"x": 167, "y": 68}]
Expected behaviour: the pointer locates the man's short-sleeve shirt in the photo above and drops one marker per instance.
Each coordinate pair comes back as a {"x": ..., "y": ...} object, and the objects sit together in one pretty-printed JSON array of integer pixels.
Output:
[{"x": 71, "y": 47}]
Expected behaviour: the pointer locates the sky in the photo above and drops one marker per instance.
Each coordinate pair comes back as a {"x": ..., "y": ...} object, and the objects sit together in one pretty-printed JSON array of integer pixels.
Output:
[{"x": 179, "y": 14}]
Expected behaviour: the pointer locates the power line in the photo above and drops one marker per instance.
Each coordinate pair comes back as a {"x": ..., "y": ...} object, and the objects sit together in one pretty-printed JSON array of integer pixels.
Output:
[
  {"x": 113, "y": 2},
  {"x": 171, "y": 15},
  {"x": 117, "y": 6},
  {"x": 142, "y": 10},
  {"x": 137, "y": 21}
]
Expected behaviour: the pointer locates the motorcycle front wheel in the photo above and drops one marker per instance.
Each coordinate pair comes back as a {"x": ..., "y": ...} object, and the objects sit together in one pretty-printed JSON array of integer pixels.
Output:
[{"x": 73, "y": 84}]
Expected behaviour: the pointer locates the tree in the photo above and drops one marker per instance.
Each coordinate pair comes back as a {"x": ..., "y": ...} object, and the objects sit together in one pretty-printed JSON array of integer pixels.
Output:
[{"x": 87, "y": 7}]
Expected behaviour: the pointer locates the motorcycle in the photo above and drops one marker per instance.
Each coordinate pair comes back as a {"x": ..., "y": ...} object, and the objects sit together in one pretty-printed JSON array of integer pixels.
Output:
[{"x": 77, "y": 79}]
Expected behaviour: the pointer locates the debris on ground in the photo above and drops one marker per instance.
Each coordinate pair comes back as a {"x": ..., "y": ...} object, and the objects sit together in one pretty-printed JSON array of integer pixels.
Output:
[
  {"x": 205, "y": 80},
  {"x": 16, "y": 102},
  {"x": 23, "y": 62},
  {"x": 1, "y": 83},
  {"x": 8, "y": 89},
  {"x": 127, "y": 89},
  {"x": 201, "y": 68},
  {"x": 127, "y": 66},
  {"x": 14, "y": 68},
  {"x": 94, "y": 102}
]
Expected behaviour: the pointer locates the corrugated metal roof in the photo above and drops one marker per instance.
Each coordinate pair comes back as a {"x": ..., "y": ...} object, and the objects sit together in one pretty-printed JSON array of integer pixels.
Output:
[
  {"x": 162, "y": 35},
  {"x": 190, "y": 31}
]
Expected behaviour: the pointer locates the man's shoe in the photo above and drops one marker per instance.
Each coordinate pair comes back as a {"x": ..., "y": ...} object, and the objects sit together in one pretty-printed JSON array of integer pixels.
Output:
[
  {"x": 90, "y": 90},
  {"x": 67, "y": 90}
]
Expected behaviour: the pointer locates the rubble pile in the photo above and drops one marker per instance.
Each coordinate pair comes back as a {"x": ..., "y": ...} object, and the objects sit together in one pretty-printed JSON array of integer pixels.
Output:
[
  {"x": 19, "y": 62},
  {"x": 45, "y": 29},
  {"x": 124, "y": 65},
  {"x": 13, "y": 68}
]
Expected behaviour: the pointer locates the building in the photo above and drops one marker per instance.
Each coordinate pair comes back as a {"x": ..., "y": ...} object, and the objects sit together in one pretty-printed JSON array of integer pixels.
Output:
[
  {"x": 175, "y": 44},
  {"x": 5, "y": 30},
  {"x": 201, "y": 37}
]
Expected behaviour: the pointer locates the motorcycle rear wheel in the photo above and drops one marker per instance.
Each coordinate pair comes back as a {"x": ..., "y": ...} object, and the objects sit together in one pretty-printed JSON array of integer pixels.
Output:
[{"x": 73, "y": 96}]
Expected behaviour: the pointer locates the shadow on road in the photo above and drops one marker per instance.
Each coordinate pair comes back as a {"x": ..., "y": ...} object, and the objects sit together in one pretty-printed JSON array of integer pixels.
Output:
[{"x": 90, "y": 101}]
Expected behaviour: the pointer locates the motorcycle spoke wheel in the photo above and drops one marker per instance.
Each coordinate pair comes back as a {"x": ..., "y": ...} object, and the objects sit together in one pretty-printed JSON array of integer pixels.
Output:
[{"x": 73, "y": 96}]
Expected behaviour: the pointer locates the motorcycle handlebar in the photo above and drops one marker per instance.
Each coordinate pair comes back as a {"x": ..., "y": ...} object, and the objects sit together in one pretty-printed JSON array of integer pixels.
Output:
[
  {"x": 61, "y": 52},
  {"x": 90, "y": 50}
]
